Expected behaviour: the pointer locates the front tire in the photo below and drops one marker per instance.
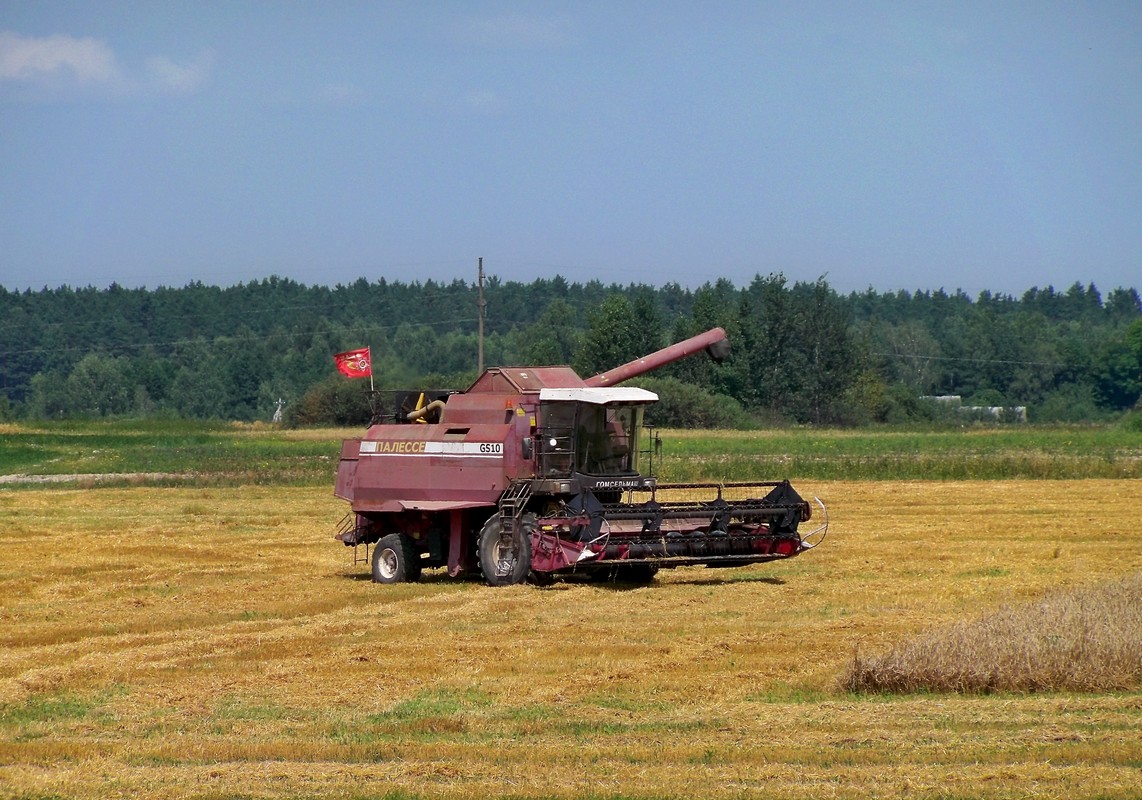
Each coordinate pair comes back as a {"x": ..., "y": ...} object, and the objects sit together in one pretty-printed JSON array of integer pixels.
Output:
[
  {"x": 395, "y": 560},
  {"x": 506, "y": 564}
]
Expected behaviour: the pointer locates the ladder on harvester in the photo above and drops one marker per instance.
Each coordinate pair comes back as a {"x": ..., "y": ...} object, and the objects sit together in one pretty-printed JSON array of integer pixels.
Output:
[{"x": 512, "y": 504}]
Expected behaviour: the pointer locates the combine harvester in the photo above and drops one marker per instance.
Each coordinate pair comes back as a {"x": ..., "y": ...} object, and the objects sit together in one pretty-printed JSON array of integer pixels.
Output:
[{"x": 534, "y": 472}]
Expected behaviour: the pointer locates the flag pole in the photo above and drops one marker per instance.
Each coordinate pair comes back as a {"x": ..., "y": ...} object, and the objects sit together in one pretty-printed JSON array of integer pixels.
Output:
[{"x": 372, "y": 391}]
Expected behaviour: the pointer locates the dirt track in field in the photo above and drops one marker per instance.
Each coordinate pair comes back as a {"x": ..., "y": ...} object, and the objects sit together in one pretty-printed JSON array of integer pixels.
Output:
[
  {"x": 87, "y": 477},
  {"x": 172, "y": 642}
]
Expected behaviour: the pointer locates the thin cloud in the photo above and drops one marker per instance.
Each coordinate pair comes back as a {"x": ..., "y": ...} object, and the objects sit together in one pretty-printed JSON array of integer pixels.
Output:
[
  {"x": 85, "y": 60},
  {"x": 341, "y": 94},
  {"x": 485, "y": 102},
  {"x": 166, "y": 75},
  {"x": 61, "y": 62},
  {"x": 519, "y": 31}
]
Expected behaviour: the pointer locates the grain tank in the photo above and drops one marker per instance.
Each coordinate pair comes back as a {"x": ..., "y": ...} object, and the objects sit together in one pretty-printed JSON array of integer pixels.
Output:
[{"x": 534, "y": 472}]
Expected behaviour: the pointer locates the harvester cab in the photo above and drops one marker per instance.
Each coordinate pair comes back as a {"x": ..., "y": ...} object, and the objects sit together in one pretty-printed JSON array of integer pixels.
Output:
[
  {"x": 533, "y": 472},
  {"x": 590, "y": 432}
]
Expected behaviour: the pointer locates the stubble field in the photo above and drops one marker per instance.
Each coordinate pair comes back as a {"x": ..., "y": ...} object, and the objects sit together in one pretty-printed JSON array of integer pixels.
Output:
[{"x": 217, "y": 642}]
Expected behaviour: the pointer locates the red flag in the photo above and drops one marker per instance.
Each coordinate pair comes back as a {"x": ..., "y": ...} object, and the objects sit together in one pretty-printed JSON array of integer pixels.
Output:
[{"x": 355, "y": 363}]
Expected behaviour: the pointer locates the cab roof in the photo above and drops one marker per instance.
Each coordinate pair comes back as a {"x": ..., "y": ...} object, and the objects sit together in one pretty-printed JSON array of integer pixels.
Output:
[{"x": 602, "y": 396}]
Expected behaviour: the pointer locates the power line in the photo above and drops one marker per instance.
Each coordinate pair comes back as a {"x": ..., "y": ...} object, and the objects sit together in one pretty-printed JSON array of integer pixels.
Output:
[{"x": 1010, "y": 362}]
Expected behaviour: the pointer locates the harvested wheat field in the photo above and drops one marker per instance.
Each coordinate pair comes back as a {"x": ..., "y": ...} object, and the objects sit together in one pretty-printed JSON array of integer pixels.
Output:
[{"x": 171, "y": 642}]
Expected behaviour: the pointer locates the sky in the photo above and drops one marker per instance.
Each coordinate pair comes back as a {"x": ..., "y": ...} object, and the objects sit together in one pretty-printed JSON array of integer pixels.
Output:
[{"x": 976, "y": 146}]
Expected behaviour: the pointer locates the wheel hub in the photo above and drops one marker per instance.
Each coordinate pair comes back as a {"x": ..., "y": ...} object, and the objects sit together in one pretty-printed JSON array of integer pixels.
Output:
[
  {"x": 504, "y": 555},
  {"x": 387, "y": 563}
]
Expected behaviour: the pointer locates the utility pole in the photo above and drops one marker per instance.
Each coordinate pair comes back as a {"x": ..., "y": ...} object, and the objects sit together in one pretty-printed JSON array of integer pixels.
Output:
[{"x": 480, "y": 320}]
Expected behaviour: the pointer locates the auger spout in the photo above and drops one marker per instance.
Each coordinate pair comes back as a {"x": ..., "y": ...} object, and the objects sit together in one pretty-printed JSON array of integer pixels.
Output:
[{"x": 713, "y": 341}]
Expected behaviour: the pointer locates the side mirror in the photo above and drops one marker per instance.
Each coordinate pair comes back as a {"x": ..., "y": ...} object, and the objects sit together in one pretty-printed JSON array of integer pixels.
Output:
[{"x": 528, "y": 448}]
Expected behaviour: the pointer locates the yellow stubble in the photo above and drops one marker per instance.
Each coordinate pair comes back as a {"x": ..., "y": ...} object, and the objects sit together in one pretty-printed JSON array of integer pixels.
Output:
[{"x": 221, "y": 640}]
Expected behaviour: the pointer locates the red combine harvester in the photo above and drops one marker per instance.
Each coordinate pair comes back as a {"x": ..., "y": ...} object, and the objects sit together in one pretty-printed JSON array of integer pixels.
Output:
[{"x": 535, "y": 472}]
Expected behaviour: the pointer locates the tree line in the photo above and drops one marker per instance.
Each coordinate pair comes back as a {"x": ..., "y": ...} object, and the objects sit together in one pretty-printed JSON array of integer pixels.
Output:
[{"x": 802, "y": 353}]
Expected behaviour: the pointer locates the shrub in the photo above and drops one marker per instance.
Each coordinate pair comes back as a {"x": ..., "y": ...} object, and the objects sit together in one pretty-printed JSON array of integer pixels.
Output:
[
  {"x": 1132, "y": 420},
  {"x": 332, "y": 402},
  {"x": 1069, "y": 403},
  {"x": 684, "y": 405}
]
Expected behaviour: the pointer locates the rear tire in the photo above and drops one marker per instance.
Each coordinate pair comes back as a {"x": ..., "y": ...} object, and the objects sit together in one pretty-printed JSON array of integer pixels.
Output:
[
  {"x": 506, "y": 565},
  {"x": 395, "y": 560}
]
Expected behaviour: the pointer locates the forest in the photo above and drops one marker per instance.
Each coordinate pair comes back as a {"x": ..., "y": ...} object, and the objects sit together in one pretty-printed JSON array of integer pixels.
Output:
[{"x": 802, "y": 353}]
